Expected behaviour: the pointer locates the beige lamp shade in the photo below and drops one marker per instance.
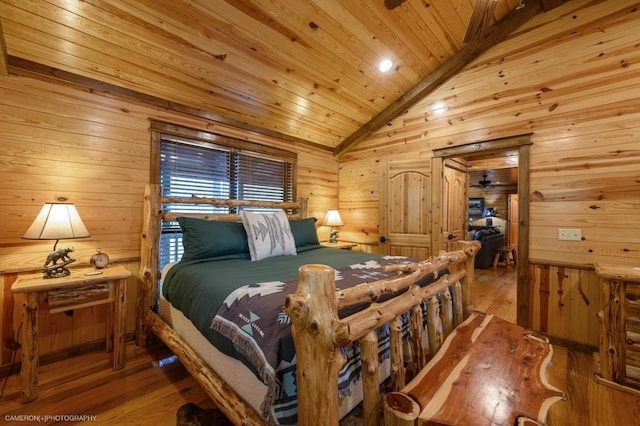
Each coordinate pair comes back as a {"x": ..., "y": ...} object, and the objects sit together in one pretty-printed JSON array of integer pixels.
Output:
[
  {"x": 57, "y": 221},
  {"x": 333, "y": 218}
]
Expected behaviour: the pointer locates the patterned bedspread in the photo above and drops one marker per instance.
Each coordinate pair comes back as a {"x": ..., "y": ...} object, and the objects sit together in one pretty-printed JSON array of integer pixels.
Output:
[
  {"x": 237, "y": 305},
  {"x": 252, "y": 317}
]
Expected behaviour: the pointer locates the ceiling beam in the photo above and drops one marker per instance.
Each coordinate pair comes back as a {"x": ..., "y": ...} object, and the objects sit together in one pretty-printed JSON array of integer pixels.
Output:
[
  {"x": 444, "y": 72},
  {"x": 480, "y": 21},
  {"x": 4, "y": 67}
]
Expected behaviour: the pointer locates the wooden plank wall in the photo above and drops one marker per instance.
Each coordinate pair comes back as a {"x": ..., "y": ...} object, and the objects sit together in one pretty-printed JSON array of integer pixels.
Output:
[
  {"x": 571, "y": 76},
  {"x": 59, "y": 142},
  {"x": 564, "y": 302},
  {"x": 575, "y": 87}
]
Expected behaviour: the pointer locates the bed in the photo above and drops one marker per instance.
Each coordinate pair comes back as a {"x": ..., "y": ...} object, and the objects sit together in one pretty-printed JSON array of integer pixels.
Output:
[{"x": 339, "y": 324}]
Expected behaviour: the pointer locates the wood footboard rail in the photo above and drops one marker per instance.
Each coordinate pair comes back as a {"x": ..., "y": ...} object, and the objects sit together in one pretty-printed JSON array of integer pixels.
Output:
[
  {"x": 225, "y": 397},
  {"x": 319, "y": 333}
]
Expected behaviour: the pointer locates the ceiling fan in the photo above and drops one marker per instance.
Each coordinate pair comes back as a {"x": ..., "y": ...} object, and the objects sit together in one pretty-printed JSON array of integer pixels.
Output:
[
  {"x": 486, "y": 183},
  {"x": 482, "y": 183}
]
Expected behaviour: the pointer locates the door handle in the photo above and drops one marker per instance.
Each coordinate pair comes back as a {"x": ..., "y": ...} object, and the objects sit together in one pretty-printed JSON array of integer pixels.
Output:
[
  {"x": 383, "y": 240},
  {"x": 451, "y": 236}
]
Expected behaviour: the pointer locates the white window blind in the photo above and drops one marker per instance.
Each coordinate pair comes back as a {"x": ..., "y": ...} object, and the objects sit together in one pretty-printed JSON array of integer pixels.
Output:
[{"x": 262, "y": 178}]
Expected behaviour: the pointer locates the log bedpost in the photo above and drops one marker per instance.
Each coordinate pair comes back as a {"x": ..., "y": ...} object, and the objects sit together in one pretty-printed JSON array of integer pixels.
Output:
[
  {"x": 418, "y": 351},
  {"x": 446, "y": 312},
  {"x": 398, "y": 370},
  {"x": 400, "y": 410},
  {"x": 458, "y": 315},
  {"x": 468, "y": 284},
  {"x": 434, "y": 327},
  {"x": 313, "y": 310},
  {"x": 150, "y": 242},
  {"x": 30, "y": 359},
  {"x": 372, "y": 406}
]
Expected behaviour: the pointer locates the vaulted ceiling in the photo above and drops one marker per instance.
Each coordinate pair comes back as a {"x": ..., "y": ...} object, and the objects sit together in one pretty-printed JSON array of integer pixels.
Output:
[{"x": 305, "y": 71}]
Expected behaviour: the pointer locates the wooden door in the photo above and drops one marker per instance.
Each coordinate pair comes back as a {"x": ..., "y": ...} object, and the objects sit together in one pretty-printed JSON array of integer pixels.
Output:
[
  {"x": 454, "y": 204},
  {"x": 405, "y": 217}
]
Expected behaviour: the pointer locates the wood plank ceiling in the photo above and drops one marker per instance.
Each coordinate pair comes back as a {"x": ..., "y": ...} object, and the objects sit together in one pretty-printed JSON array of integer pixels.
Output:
[{"x": 302, "y": 70}]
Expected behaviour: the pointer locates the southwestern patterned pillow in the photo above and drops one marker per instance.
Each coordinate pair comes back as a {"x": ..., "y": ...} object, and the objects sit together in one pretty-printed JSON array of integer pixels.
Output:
[{"x": 268, "y": 234}]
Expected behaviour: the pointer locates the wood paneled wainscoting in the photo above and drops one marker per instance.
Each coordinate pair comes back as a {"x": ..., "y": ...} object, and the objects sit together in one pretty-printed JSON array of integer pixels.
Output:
[{"x": 563, "y": 303}]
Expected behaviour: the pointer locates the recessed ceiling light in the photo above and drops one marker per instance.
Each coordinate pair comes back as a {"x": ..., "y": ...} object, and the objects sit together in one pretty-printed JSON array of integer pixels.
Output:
[
  {"x": 385, "y": 65},
  {"x": 439, "y": 108}
]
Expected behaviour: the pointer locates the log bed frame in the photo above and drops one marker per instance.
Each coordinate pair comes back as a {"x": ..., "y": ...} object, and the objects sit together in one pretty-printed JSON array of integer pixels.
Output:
[{"x": 317, "y": 330}]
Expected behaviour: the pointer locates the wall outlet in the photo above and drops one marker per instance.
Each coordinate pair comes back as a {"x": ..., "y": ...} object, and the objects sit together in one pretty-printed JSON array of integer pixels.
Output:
[{"x": 566, "y": 234}]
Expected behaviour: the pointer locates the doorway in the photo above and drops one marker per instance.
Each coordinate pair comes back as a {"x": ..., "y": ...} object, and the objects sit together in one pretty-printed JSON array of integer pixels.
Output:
[{"x": 520, "y": 145}]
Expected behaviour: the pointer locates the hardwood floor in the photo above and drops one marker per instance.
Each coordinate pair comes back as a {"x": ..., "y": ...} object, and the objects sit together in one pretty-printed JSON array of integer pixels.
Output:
[
  {"x": 588, "y": 402},
  {"x": 140, "y": 394},
  {"x": 496, "y": 292},
  {"x": 143, "y": 394}
]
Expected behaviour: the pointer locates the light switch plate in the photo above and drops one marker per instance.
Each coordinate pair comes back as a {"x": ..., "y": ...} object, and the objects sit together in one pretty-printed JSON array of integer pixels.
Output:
[{"x": 569, "y": 234}]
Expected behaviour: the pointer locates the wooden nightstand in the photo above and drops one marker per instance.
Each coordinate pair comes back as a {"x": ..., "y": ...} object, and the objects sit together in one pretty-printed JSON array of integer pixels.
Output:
[
  {"x": 75, "y": 291},
  {"x": 339, "y": 245}
]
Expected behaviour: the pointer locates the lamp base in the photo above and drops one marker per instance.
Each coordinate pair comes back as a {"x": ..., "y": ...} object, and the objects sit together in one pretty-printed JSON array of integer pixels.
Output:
[
  {"x": 53, "y": 269},
  {"x": 56, "y": 271},
  {"x": 333, "y": 237}
]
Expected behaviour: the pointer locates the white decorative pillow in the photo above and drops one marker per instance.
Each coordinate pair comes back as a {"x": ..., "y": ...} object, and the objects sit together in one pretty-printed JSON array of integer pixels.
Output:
[{"x": 268, "y": 234}]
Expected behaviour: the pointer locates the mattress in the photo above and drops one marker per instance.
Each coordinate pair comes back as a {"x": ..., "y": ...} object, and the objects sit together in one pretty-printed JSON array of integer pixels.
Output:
[{"x": 231, "y": 370}]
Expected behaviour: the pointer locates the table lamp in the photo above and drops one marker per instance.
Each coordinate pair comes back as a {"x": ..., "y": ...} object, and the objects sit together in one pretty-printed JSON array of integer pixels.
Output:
[
  {"x": 333, "y": 219},
  {"x": 57, "y": 221}
]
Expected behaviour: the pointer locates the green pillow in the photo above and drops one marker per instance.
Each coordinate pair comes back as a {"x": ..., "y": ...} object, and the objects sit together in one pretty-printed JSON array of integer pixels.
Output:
[
  {"x": 208, "y": 238},
  {"x": 304, "y": 231}
]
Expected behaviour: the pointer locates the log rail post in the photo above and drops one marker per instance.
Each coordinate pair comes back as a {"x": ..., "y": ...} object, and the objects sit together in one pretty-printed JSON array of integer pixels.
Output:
[
  {"x": 314, "y": 312},
  {"x": 149, "y": 274}
]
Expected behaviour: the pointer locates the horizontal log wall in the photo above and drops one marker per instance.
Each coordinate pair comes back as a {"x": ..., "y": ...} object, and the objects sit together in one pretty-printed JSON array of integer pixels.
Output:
[{"x": 59, "y": 142}]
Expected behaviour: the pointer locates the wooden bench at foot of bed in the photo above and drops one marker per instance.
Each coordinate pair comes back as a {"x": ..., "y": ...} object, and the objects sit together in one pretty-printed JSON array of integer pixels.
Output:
[{"x": 488, "y": 372}]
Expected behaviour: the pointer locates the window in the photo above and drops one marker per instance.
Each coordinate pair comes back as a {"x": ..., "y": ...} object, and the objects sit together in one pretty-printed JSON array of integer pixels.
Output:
[{"x": 191, "y": 162}]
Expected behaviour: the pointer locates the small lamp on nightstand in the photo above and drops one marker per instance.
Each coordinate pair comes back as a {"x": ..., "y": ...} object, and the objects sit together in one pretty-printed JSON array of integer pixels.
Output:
[
  {"x": 57, "y": 221},
  {"x": 333, "y": 219}
]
